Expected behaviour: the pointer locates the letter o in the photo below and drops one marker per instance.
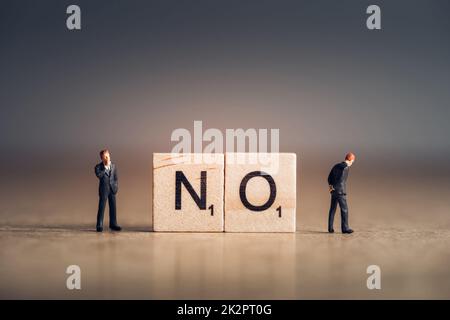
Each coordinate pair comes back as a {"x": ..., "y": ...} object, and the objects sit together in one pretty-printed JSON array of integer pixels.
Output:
[{"x": 243, "y": 187}]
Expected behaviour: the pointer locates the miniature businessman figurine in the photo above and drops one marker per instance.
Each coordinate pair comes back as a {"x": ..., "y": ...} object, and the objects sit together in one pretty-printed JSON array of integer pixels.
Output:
[
  {"x": 106, "y": 173},
  {"x": 337, "y": 180}
]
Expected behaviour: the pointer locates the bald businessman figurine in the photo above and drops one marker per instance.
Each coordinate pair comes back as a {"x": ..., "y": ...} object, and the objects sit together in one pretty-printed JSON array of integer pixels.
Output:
[
  {"x": 106, "y": 173},
  {"x": 337, "y": 180}
]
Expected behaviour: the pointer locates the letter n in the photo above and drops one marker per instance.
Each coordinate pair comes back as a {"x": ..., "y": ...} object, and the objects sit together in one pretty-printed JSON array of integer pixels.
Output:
[{"x": 180, "y": 178}]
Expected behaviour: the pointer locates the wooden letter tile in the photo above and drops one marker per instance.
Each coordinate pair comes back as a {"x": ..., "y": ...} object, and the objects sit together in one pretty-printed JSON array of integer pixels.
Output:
[
  {"x": 188, "y": 192},
  {"x": 260, "y": 192}
]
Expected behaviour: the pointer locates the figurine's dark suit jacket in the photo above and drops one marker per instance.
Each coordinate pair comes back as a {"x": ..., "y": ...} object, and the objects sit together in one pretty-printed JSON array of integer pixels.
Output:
[
  {"x": 107, "y": 189},
  {"x": 338, "y": 178}
]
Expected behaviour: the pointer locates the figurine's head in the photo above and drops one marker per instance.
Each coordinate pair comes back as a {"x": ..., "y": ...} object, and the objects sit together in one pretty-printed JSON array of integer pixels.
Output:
[
  {"x": 349, "y": 158},
  {"x": 105, "y": 156}
]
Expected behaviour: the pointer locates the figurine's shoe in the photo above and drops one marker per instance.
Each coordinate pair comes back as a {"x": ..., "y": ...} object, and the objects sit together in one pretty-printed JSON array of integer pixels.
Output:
[
  {"x": 331, "y": 230},
  {"x": 115, "y": 228},
  {"x": 99, "y": 229},
  {"x": 347, "y": 231}
]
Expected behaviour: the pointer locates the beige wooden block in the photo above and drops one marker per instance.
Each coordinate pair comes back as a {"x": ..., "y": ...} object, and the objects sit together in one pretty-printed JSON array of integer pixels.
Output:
[
  {"x": 188, "y": 192},
  {"x": 260, "y": 192}
]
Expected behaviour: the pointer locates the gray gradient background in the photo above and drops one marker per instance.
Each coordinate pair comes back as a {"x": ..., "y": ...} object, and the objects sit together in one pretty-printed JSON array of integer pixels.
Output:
[{"x": 139, "y": 69}]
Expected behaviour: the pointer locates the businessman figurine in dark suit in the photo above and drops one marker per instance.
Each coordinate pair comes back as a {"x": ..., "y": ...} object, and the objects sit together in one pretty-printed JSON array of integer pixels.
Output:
[
  {"x": 106, "y": 173},
  {"x": 337, "y": 180}
]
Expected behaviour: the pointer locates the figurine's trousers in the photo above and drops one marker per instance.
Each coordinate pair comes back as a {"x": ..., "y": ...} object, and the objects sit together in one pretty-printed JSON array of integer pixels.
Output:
[
  {"x": 111, "y": 198},
  {"x": 342, "y": 200}
]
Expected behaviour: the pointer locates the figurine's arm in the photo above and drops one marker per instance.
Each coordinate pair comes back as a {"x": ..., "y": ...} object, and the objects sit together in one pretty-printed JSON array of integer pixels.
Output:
[
  {"x": 330, "y": 181},
  {"x": 115, "y": 180},
  {"x": 340, "y": 175},
  {"x": 330, "y": 178},
  {"x": 116, "y": 177},
  {"x": 100, "y": 171}
]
